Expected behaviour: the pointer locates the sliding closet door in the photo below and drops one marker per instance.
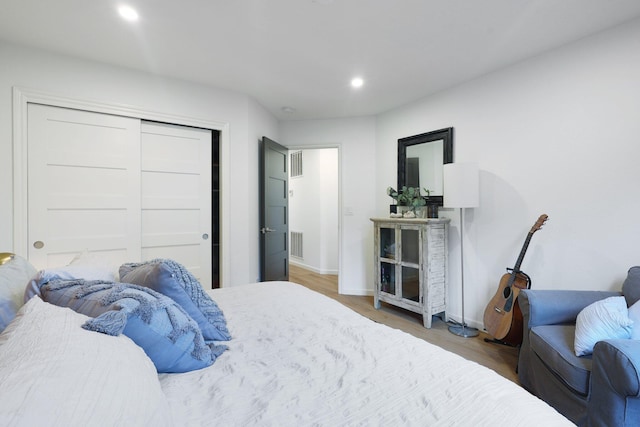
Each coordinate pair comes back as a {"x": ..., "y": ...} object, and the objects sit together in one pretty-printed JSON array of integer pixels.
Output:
[
  {"x": 128, "y": 190},
  {"x": 83, "y": 185},
  {"x": 176, "y": 196}
]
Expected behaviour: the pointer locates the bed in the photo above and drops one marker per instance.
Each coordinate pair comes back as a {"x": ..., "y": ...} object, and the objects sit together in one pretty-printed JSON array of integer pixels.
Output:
[{"x": 295, "y": 358}]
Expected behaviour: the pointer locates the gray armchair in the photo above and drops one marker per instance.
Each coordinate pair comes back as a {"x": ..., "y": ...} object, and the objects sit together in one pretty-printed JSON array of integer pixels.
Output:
[{"x": 602, "y": 389}]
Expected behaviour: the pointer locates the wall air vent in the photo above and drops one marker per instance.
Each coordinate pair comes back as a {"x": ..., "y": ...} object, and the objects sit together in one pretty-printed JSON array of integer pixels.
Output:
[
  {"x": 296, "y": 244},
  {"x": 296, "y": 164}
]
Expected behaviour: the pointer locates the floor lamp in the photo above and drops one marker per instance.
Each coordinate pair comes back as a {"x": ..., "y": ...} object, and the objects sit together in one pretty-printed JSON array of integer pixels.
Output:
[{"x": 461, "y": 190}]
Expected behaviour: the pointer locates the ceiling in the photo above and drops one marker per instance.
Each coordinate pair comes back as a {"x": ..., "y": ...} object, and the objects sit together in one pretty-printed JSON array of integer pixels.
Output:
[{"x": 303, "y": 53}]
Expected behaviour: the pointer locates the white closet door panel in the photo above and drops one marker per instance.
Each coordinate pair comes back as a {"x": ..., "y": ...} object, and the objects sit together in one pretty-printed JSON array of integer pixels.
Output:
[
  {"x": 68, "y": 158},
  {"x": 176, "y": 196},
  {"x": 170, "y": 221},
  {"x": 170, "y": 227},
  {"x": 71, "y": 228},
  {"x": 156, "y": 146},
  {"x": 168, "y": 190},
  {"x": 84, "y": 185},
  {"x": 104, "y": 133},
  {"x": 169, "y": 240}
]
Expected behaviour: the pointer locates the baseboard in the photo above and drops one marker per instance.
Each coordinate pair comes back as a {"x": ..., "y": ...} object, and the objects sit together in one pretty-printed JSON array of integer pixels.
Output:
[
  {"x": 311, "y": 268},
  {"x": 357, "y": 292}
]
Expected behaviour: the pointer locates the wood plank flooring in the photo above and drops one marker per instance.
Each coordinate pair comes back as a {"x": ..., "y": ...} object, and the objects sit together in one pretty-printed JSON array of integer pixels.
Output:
[{"x": 502, "y": 359}]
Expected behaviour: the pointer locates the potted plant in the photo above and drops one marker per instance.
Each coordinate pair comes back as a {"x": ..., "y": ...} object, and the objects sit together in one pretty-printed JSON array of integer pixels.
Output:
[{"x": 409, "y": 197}]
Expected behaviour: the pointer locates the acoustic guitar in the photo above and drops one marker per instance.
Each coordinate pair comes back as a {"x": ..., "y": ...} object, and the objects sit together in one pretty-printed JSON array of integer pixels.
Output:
[{"x": 502, "y": 317}]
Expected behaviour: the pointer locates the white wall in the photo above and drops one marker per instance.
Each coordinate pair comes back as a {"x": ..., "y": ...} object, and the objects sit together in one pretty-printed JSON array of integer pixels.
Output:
[
  {"x": 329, "y": 226},
  {"x": 556, "y": 134},
  {"x": 91, "y": 81},
  {"x": 356, "y": 140},
  {"x": 313, "y": 210}
]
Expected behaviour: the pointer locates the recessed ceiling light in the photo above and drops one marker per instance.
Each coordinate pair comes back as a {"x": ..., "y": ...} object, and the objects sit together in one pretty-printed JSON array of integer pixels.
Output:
[
  {"x": 128, "y": 13},
  {"x": 357, "y": 82}
]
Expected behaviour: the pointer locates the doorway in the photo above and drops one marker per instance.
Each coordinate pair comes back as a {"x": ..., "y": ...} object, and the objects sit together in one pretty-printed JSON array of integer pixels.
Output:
[{"x": 314, "y": 220}]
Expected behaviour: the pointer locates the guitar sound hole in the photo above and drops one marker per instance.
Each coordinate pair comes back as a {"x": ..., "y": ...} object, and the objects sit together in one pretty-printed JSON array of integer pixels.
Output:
[{"x": 506, "y": 292}]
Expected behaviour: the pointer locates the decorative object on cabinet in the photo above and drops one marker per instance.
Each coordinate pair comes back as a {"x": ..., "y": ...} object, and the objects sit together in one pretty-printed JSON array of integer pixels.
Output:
[
  {"x": 461, "y": 190},
  {"x": 411, "y": 264},
  {"x": 411, "y": 199}
]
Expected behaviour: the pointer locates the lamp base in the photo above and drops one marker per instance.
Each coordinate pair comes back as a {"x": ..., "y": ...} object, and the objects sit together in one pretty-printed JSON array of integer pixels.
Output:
[{"x": 463, "y": 331}]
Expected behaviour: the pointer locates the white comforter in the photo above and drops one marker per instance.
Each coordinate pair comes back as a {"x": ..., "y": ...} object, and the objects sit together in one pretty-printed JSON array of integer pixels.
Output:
[{"x": 298, "y": 358}]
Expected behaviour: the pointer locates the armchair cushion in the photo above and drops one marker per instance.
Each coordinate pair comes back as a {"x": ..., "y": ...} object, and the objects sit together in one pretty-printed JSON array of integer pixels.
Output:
[{"x": 553, "y": 344}]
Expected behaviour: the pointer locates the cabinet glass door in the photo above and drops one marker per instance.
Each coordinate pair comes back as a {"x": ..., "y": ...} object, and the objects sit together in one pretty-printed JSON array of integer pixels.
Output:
[
  {"x": 411, "y": 283},
  {"x": 387, "y": 252},
  {"x": 411, "y": 246},
  {"x": 387, "y": 243},
  {"x": 388, "y": 278},
  {"x": 410, "y": 264}
]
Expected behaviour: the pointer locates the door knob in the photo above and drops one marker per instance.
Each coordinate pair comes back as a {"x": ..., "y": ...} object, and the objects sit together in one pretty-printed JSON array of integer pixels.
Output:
[
  {"x": 38, "y": 244},
  {"x": 265, "y": 230}
]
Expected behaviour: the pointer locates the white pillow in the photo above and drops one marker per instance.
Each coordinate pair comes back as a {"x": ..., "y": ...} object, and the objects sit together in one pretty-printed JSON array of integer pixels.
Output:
[
  {"x": 53, "y": 372},
  {"x": 85, "y": 266},
  {"x": 604, "y": 319},
  {"x": 634, "y": 315},
  {"x": 97, "y": 261}
]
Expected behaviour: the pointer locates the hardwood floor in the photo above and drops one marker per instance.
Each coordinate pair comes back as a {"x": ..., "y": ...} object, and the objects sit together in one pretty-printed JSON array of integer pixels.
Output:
[{"x": 502, "y": 359}]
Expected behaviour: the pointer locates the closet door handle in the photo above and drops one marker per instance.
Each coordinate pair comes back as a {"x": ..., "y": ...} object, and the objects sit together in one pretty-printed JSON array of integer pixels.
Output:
[{"x": 265, "y": 230}]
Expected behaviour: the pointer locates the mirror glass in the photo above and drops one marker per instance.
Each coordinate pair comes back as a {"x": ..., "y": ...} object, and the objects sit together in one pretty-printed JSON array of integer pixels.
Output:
[{"x": 420, "y": 160}]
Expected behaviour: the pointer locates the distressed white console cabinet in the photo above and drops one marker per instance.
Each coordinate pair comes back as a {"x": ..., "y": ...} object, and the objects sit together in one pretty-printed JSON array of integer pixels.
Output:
[{"x": 411, "y": 264}]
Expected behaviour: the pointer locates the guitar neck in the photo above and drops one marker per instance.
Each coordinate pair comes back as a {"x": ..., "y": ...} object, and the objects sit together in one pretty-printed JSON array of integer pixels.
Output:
[
  {"x": 516, "y": 269},
  {"x": 523, "y": 251}
]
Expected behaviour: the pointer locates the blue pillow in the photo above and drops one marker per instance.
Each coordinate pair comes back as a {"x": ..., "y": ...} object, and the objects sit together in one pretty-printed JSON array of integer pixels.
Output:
[
  {"x": 175, "y": 281},
  {"x": 166, "y": 333}
]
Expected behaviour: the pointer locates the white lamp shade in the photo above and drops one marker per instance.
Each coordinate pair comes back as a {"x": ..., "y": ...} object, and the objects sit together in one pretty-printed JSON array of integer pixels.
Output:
[{"x": 461, "y": 185}]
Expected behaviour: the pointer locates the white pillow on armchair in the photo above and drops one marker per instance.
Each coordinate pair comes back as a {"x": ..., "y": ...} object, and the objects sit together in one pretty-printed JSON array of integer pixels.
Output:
[{"x": 604, "y": 319}]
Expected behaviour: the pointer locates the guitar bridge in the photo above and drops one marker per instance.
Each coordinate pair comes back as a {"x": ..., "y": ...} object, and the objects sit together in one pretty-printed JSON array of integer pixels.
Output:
[{"x": 497, "y": 309}]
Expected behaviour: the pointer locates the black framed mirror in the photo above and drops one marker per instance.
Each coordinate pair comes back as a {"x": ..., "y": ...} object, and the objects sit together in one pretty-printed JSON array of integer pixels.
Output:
[{"x": 420, "y": 160}]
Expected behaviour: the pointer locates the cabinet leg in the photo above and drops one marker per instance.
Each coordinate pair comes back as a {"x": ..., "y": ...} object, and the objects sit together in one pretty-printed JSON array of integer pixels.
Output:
[{"x": 426, "y": 319}]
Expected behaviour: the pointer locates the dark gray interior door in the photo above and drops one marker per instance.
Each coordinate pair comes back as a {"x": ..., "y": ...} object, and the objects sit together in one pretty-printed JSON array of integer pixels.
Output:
[{"x": 274, "y": 221}]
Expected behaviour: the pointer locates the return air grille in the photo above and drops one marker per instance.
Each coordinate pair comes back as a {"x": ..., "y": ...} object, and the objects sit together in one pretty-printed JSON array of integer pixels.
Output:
[
  {"x": 296, "y": 244},
  {"x": 296, "y": 164}
]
